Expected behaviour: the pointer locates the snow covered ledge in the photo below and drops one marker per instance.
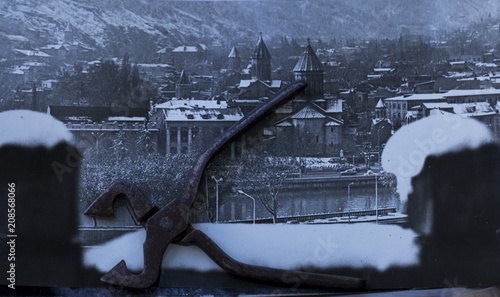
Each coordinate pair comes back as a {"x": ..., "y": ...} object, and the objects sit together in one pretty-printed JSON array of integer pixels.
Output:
[
  {"x": 406, "y": 151},
  {"x": 32, "y": 129}
]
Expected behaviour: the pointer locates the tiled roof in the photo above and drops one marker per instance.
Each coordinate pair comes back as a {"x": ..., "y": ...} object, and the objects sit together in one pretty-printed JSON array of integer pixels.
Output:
[
  {"x": 261, "y": 51},
  {"x": 308, "y": 61},
  {"x": 308, "y": 113}
]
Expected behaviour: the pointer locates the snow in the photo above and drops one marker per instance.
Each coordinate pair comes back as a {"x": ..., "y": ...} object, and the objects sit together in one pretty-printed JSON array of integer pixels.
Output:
[
  {"x": 406, "y": 150},
  {"x": 280, "y": 246},
  {"x": 192, "y": 104},
  {"x": 127, "y": 119},
  {"x": 31, "y": 129}
]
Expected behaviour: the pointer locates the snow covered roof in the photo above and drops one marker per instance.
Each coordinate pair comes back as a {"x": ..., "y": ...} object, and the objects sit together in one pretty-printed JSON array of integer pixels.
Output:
[
  {"x": 31, "y": 129},
  {"x": 478, "y": 92},
  {"x": 476, "y": 109},
  {"x": 275, "y": 84},
  {"x": 35, "y": 64},
  {"x": 17, "y": 38},
  {"x": 190, "y": 48},
  {"x": 158, "y": 65},
  {"x": 431, "y": 105},
  {"x": 127, "y": 119},
  {"x": 53, "y": 47},
  {"x": 333, "y": 123},
  {"x": 416, "y": 97},
  {"x": 203, "y": 115},
  {"x": 374, "y": 76},
  {"x": 380, "y": 104},
  {"x": 234, "y": 53},
  {"x": 334, "y": 106},
  {"x": 162, "y": 51},
  {"x": 383, "y": 69},
  {"x": 245, "y": 83},
  {"x": 192, "y": 104},
  {"x": 31, "y": 53}
]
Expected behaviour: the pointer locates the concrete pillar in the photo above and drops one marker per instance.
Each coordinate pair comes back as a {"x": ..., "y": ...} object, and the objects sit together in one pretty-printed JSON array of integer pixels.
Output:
[
  {"x": 179, "y": 140},
  {"x": 190, "y": 136},
  {"x": 167, "y": 149}
]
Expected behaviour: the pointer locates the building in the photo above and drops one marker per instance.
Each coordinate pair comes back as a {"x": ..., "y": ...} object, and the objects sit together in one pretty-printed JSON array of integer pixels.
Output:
[
  {"x": 261, "y": 61},
  {"x": 399, "y": 109},
  {"x": 187, "y": 125},
  {"x": 105, "y": 127},
  {"x": 234, "y": 60},
  {"x": 250, "y": 93},
  {"x": 479, "y": 104},
  {"x": 183, "y": 86},
  {"x": 310, "y": 70},
  {"x": 311, "y": 123},
  {"x": 187, "y": 57}
]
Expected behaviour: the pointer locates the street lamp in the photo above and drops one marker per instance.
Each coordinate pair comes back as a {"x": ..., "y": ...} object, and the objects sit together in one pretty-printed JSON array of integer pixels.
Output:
[
  {"x": 243, "y": 193},
  {"x": 376, "y": 197},
  {"x": 217, "y": 198},
  {"x": 348, "y": 193},
  {"x": 348, "y": 199},
  {"x": 378, "y": 147}
]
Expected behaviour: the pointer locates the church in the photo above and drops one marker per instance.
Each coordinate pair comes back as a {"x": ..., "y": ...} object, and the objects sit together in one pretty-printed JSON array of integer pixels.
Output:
[{"x": 312, "y": 122}]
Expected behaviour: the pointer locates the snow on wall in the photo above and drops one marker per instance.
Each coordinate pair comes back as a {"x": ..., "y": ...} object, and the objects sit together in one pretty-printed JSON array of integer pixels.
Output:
[
  {"x": 406, "y": 150},
  {"x": 31, "y": 129},
  {"x": 279, "y": 246}
]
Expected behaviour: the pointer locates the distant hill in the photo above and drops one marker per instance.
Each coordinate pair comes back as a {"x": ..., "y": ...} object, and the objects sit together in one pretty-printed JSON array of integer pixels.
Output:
[{"x": 147, "y": 25}]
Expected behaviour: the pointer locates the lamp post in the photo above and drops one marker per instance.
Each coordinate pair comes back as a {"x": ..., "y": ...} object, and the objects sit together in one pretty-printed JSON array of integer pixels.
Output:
[
  {"x": 376, "y": 198},
  {"x": 243, "y": 193},
  {"x": 348, "y": 198},
  {"x": 378, "y": 148},
  {"x": 217, "y": 198}
]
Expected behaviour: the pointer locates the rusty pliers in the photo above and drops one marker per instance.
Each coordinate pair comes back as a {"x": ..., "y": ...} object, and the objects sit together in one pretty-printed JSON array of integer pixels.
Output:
[{"x": 170, "y": 224}]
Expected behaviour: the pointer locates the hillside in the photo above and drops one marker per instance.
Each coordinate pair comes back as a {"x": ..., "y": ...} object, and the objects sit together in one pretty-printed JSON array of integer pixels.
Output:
[{"x": 147, "y": 25}]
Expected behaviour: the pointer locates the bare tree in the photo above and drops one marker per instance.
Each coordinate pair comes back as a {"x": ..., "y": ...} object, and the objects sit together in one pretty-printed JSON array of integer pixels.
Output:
[{"x": 263, "y": 175}]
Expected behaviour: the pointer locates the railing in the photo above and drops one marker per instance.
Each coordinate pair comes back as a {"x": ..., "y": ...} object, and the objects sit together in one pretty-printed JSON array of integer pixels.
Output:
[{"x": 305, "y": 218}]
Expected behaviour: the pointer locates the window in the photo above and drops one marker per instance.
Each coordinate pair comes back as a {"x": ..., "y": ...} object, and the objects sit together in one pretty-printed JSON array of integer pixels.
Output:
[{"x": 317, "y": 138}]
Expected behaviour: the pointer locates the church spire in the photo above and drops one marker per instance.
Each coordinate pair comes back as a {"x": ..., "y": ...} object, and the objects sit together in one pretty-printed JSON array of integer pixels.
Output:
[
  {"x": 261, "y": 61},
  {"x": 234, "y": 59},
  {"x": 309, "y": 68}
]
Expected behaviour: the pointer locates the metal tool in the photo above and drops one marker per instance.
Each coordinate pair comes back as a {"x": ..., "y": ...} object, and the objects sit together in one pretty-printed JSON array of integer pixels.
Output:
[{"x": 170, "y": 223}]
